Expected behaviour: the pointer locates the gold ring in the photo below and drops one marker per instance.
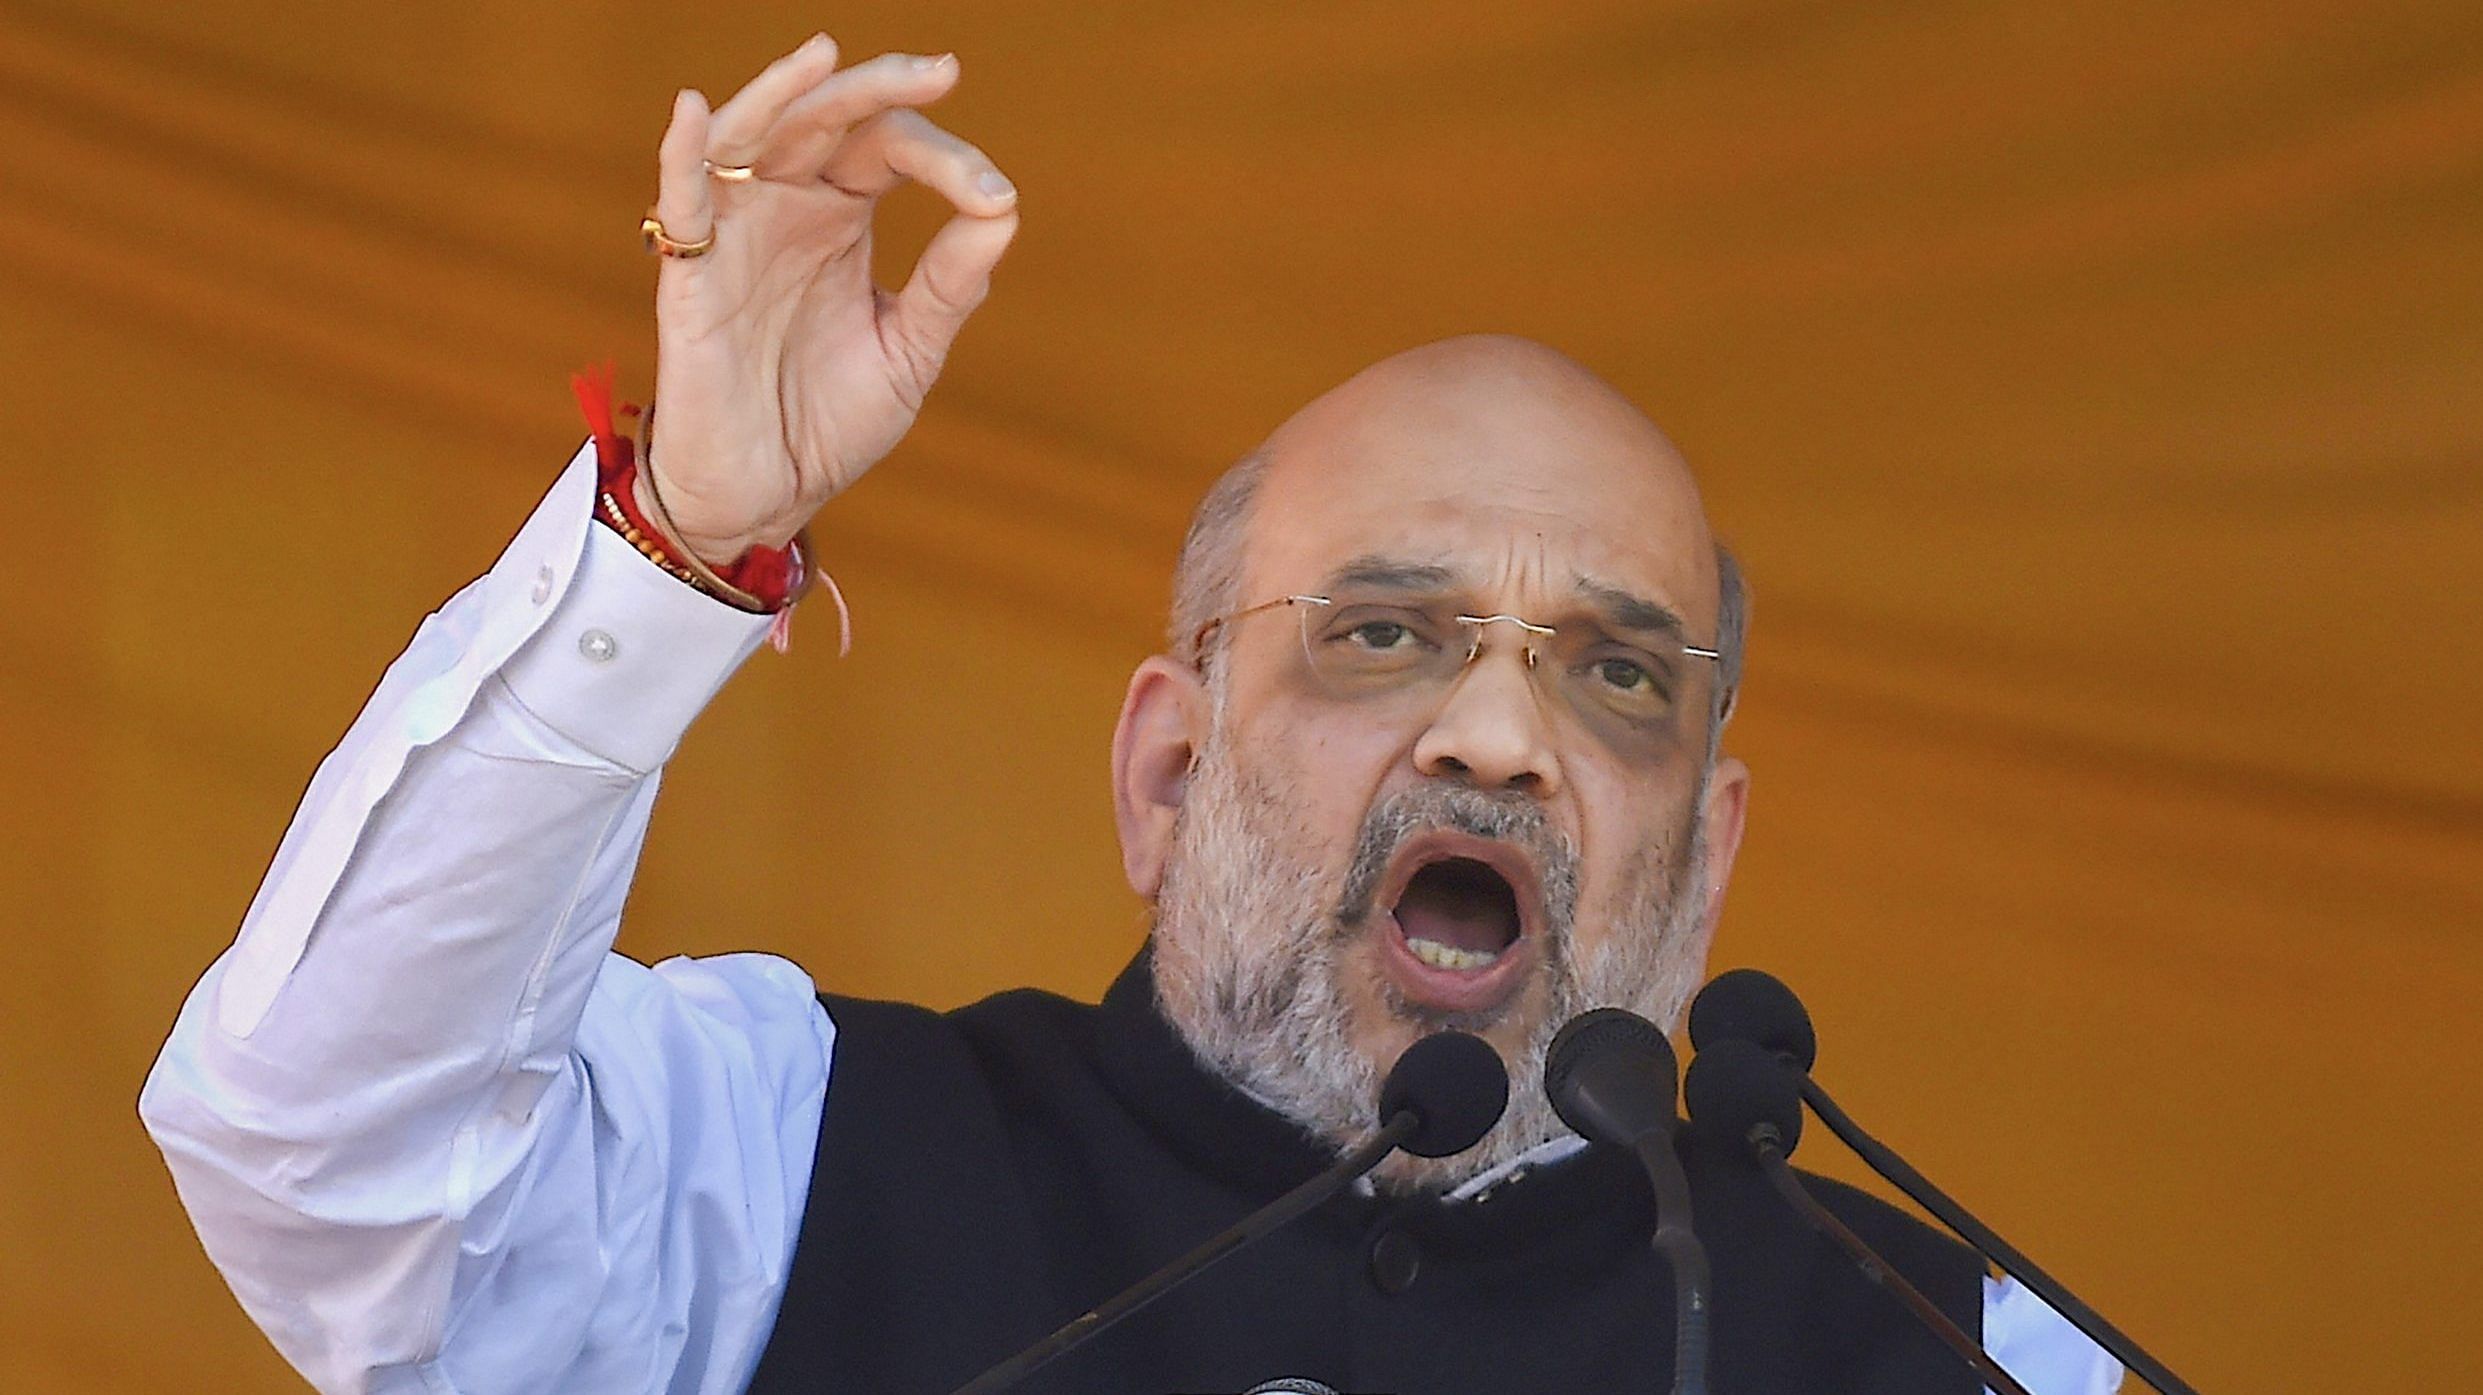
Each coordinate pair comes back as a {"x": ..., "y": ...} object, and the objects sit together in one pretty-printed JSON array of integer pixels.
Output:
[
  {"x": 652, "y": 229},
  {"x": 732, "y": 174}
]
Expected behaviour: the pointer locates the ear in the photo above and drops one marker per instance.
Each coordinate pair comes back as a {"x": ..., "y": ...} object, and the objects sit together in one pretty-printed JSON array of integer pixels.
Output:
[
  {"x": 1163, "y": 723},
  {"x": 1720, "y": 819}
]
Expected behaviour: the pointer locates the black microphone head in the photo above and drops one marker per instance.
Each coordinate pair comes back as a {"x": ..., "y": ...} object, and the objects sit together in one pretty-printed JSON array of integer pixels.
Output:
[
  {"x": 1290, "y": 1385},
  {"x": 1747, "y": 1005},
  {"x": 1610, "y": 1075},
  {"x": 1736, "y": 1089},
  {"x": 1455, "y": 1084}
]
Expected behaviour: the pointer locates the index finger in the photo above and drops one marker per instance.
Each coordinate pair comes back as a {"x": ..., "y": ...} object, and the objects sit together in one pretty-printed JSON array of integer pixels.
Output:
[{"x": 807, "y": 136}]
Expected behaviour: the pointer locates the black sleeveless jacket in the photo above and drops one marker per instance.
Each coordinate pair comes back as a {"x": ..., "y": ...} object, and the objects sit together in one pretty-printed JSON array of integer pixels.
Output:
[{"x": 987, "y": 1174}]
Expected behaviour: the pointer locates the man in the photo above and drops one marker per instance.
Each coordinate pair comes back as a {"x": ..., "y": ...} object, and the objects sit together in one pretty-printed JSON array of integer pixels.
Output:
[{"x": 1435, "y": 743}]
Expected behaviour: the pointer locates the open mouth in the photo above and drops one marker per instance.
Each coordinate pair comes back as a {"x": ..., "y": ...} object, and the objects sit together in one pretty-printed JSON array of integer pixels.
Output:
[
  {"x": 1457, "y": 914},
  {"x": 1462, "y": 911}
]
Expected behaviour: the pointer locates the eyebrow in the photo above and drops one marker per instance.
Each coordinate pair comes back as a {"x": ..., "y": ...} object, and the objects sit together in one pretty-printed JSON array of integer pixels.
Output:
[
  {"x": 1391, "y": 574},
  {"x": 1627, "y": 611},
  {"x": 1619, "y": 608}
]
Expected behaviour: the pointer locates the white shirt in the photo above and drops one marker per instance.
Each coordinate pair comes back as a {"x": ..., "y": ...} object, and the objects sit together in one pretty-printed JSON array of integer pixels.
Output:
[{"x": 437, "y": 1135}]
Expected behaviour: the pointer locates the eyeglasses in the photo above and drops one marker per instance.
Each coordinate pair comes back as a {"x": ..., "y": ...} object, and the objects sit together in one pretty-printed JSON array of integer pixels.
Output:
[{"x": 1630, "y": 691}]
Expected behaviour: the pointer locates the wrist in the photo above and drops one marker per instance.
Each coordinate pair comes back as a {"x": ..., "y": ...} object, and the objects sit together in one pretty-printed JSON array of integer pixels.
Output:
[
  {"x": 721, "y": 556},
  {"x": 754, "y": 577}
]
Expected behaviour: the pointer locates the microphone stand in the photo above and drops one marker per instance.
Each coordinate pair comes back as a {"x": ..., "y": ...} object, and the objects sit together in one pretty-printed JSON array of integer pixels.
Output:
[
  {"x": 1957, "y": 1218},
  {"x": 1270, "y": 1217},
  {"x": 1611, "y": 1076},
  {"x": 1767, "y": 1147},
  {"x": 1687, "y": 1258}
]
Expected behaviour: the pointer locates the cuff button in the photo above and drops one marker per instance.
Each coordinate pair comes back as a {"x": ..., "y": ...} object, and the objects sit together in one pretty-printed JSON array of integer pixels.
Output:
[{"x": 599, "y": 646}]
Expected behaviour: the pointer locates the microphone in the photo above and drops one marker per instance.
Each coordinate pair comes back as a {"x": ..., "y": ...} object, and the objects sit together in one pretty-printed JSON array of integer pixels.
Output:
[
  {"x": 1444, "y": 1093},
  {"x": 1610, "y": 1075},
  {"x": 1747, "y": 1005},
  {"x": 1290, "y": 1385},
  {"x": 1749, "y": 1095},
  {"x": 1754, "y": 1006}
]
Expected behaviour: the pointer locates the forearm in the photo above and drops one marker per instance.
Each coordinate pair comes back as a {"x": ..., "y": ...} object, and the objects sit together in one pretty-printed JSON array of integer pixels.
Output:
[
  {"x": 445, "y": 973},
  {"x": 336, "y": 1159},
  {"x": 356, "y": 1084}
]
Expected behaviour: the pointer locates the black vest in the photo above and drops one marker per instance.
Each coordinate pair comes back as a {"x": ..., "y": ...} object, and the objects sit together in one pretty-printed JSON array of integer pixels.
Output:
[{"x": 987, "y": 1174}]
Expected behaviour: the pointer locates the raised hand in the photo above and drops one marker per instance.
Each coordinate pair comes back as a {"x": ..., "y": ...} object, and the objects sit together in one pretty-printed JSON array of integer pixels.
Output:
[{"x": 782, "y": 372}]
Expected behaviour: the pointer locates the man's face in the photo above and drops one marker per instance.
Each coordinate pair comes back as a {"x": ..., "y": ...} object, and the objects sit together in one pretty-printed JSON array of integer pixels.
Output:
[{"x": 1372, "y": 848}]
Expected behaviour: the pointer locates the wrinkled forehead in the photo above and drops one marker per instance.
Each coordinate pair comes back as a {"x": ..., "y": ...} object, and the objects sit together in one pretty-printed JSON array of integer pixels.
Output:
[{"x": 1540, "y": 534}]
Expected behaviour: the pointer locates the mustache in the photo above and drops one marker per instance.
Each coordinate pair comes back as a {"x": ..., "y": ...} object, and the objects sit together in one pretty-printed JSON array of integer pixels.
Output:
[{"x": 1507, "y": 818}]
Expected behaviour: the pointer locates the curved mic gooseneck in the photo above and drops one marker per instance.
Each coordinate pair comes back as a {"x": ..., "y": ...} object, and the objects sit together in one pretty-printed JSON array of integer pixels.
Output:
[
  {"x": 1441, "y": 1097},
  {"x": 1751, "y": 1006},
  {"x": 1611, "y": 1075},
  {"x": 1745, "y": 1094}
]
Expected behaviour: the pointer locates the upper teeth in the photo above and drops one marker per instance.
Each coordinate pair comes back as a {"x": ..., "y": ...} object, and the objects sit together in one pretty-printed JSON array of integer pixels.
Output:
[{"x": 1440, "y": 956}]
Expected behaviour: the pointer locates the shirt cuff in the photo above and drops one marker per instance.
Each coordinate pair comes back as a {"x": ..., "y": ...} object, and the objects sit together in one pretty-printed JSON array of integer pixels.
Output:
[
  {"x": 2030, "y": 1340},
  {"x": 628, "y": 658}
]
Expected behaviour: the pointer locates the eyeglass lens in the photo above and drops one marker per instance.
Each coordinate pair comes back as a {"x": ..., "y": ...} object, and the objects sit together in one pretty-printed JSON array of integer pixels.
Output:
[{"x": 1631, "y": 691}]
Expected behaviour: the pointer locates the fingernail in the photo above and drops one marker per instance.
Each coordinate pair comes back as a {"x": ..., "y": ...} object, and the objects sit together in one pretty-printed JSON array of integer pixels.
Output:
[
  {"x": 817, "y": 41},
  {"x": 942, "y": 60},
  {"x": 996, "y": 184}
]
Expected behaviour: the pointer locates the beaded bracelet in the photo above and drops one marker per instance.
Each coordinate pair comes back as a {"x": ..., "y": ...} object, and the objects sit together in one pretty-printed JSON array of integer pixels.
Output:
[
  {"x": 662, "y": 556},
  {"x": 652, "y": 532}
]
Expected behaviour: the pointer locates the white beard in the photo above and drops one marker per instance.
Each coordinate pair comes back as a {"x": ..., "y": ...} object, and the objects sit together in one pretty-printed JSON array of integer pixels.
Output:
[{"x": 1249, "y": 949}]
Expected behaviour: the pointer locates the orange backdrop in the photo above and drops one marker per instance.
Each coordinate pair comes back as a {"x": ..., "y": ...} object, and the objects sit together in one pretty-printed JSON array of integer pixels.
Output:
[{"x": 2094, "y": 390}]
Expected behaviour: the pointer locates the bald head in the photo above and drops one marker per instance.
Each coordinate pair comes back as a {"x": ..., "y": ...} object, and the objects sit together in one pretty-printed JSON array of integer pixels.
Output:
[
  {"x": 1484, "y": 406},
  {"x": 1487, "y": 431}
]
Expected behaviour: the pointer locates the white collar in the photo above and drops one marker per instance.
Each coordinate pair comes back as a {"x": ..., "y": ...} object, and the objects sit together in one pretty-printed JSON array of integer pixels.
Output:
[{"x": 1551, "y": 1150}]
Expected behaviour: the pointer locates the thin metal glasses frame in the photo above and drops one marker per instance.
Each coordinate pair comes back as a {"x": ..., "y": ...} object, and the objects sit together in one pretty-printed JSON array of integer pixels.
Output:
[{"x": 1198, "y": 637}]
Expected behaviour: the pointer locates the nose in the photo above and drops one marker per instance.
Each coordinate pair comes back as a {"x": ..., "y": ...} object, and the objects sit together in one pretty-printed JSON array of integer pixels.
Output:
[{"x": 1491, "y": 729}]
